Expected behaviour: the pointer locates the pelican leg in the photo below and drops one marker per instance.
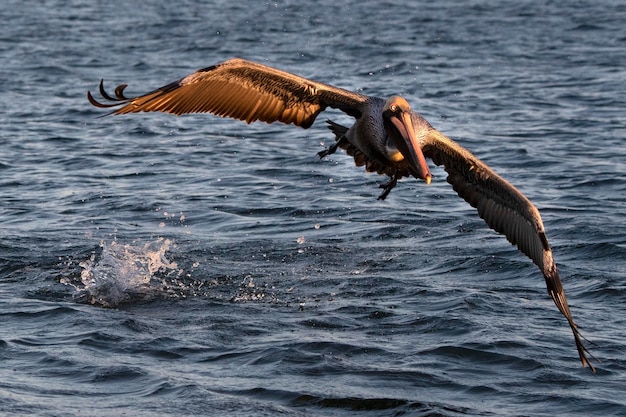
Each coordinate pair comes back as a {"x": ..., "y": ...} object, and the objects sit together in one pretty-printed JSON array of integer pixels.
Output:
[
  {"x": 388, "y": 186},
  {"x": 332, "y": 148}
]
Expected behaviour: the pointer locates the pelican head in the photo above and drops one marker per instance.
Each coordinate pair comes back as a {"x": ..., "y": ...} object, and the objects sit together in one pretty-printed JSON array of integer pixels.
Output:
[{"x": 397, "y": 113}]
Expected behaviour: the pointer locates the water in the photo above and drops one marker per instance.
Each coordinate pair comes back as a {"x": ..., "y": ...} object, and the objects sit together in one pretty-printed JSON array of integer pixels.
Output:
[{"x": 152, "y": 265}]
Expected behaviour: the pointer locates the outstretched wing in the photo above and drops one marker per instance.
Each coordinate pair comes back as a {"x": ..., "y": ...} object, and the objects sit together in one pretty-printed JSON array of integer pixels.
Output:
[
  {"x": 242, "y": 90},
  {"x": 506, "y": 210}
]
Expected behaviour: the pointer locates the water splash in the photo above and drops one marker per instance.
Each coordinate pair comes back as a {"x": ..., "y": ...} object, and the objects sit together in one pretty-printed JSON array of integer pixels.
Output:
[{"x": 120, "y": 273}]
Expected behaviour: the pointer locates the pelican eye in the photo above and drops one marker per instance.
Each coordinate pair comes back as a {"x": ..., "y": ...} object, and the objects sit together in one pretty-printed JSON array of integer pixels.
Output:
[{"x": 393, "y": 108}]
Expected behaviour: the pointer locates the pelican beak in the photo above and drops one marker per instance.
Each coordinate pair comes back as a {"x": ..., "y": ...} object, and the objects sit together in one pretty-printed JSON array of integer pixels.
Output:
[{"x": 409, "y": 146}]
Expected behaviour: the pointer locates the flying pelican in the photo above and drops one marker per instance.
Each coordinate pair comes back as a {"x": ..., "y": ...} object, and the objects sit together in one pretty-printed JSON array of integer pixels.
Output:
[{"x": 388, "y": 138}]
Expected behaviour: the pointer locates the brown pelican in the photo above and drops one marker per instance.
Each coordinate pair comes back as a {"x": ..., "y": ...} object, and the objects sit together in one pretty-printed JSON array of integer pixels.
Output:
[{"x": 387, "y": 137}]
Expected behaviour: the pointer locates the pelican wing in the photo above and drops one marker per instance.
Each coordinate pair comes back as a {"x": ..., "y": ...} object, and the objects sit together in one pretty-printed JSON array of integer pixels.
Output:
[
  {"x": 506, "y": 210},
  {"x": 242, "y": 90}
]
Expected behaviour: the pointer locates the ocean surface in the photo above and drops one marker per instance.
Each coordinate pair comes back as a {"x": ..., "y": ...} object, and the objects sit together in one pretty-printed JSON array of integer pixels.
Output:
[{"x": 153, "y": 265}]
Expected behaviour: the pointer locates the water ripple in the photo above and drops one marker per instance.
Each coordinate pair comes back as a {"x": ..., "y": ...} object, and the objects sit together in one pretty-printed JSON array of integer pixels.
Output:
[{"x": 242, "y": 275}]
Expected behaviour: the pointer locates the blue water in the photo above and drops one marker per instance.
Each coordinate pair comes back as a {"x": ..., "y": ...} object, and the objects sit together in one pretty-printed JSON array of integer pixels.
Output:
[{"x": 153, "y": 265}]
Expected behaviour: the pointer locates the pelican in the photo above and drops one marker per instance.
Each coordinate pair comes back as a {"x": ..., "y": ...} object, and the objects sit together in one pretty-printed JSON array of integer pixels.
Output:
[{"x": 387, "y": 137}]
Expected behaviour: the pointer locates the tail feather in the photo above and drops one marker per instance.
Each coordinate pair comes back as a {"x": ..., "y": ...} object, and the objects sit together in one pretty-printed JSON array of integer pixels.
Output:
[{"x": 337, "y": 129}]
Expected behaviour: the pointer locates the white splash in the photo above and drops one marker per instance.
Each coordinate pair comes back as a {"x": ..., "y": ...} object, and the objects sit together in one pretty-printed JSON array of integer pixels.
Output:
[{"x": 123, "y": 272}]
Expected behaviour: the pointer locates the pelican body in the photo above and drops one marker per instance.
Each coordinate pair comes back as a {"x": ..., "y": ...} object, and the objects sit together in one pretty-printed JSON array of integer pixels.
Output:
[{"x": 388, "y": 137}]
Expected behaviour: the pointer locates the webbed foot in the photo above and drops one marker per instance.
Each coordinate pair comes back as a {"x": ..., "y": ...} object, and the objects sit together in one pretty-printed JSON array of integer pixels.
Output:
[
  {"x": 388, "y": 186},
  {"x": 332, "y": 148}
]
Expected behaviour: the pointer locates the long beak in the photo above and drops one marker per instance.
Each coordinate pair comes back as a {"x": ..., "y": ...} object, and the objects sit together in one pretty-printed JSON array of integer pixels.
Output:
[{"x": 409, "y": 146}]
